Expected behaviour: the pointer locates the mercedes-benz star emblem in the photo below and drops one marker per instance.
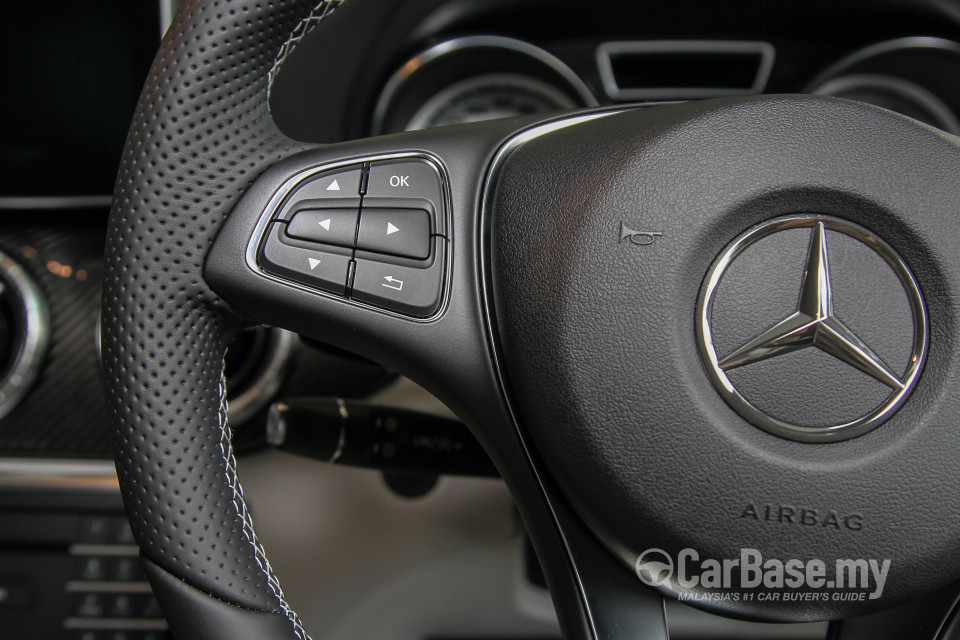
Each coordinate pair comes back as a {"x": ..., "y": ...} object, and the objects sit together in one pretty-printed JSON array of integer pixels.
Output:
[{"x": 812, "y": 325}]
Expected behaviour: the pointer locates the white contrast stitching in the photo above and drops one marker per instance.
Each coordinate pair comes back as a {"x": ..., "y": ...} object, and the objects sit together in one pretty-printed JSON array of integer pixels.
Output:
[
  {"x": 318, "y": 15},
  {"x": 240, "y": 505}
]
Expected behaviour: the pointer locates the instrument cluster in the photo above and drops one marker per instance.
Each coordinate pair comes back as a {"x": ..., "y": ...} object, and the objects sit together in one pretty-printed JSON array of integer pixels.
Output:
[{"x": 481, "y": 77}]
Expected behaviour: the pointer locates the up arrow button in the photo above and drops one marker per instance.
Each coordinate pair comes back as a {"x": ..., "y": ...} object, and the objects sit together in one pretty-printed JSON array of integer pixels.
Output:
[{"x": 407, "y": 232}]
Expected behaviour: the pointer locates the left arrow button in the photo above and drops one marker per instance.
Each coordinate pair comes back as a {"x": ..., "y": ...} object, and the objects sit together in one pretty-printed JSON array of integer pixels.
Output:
[{"x": 329, "y": 226}]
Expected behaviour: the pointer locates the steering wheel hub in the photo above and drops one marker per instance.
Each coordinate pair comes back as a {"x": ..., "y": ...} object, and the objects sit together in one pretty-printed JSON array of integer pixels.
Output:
[{"x": 644, "y": 382}]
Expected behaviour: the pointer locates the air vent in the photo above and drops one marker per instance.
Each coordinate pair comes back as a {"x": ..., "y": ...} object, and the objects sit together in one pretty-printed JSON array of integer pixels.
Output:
[
  {"x": 255, "y": 367},
  {"x": 24, "y": 332},
  {"x": 683, "y": 69}
]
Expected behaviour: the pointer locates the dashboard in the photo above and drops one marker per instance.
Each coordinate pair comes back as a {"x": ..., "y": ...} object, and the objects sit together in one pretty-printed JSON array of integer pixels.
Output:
[{"x": 73, "y": 74}]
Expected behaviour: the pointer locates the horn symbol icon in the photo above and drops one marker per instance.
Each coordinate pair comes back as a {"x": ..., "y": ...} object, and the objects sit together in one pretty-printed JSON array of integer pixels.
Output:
[{"x": 638, "y": 237}]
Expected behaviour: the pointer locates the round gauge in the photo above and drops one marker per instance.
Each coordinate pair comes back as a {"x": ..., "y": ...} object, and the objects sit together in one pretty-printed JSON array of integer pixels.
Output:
[
  {"x": 477, "y": 78},
  {"x": 497, "y": 95},
  {"x": 912, "y": 76},
  {"x": 895, "y": 94},
  {"x": 24, "y": 331}
]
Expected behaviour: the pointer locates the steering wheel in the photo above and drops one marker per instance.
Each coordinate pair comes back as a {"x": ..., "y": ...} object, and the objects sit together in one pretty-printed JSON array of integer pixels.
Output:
[{"x": 697, "y": 340}]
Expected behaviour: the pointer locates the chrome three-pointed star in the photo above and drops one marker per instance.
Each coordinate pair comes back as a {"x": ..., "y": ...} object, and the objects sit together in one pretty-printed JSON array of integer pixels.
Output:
[{"x": 814, "y": 325}]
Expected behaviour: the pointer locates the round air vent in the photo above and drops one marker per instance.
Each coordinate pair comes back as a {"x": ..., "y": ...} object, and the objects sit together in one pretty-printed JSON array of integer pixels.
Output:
[
  {"x": 24, "y": 331},
  {"x": 255, "y": 366}
]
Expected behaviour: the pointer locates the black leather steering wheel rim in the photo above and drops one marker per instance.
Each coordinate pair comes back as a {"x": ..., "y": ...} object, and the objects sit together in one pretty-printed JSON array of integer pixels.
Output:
[{"x": 201, "y": 132}]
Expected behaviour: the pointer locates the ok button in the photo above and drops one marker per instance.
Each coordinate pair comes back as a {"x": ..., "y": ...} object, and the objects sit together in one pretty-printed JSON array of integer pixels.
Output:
[{"x": 400, "y": 232}]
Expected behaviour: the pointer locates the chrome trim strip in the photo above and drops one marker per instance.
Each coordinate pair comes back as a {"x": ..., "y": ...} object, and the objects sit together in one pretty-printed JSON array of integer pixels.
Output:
[
  {"x": 942, "y": 628},
  {"x": 98, "y": 586},
  {"x": 342, "y": 440},
  {"x": 51, "y": 474},
  {"x": 70, "y": 483},
  {"x": 606, "y": 50},
  {"x": 112, "y": 624},
  {"x": 103, "y": 550},
  {"x": 420, "y": 60},
  {"x": 276, "y": 424},
  {"x": 54, "y": 202},
  {"x": 168, "y": 8},
  {"x": 490, "y": 181},
  {"x": 53, "y": 467}
]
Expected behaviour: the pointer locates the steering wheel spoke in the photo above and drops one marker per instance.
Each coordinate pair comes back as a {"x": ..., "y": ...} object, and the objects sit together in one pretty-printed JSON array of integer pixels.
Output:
[
  {"x": 447, "y": 351},
  {"x": 619, "y": 606}
]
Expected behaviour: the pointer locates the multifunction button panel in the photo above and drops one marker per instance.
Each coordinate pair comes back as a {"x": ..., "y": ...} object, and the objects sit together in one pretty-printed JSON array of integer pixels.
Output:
[{"x": 374, "y": 232}]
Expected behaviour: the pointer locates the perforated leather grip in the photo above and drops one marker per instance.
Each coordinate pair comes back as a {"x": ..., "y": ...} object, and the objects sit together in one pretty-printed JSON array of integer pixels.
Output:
[{"x": 201, "y": 133}]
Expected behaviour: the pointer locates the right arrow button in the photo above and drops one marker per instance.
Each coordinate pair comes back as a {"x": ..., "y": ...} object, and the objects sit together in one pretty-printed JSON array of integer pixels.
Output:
[{"x": 399, "y": 232}]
